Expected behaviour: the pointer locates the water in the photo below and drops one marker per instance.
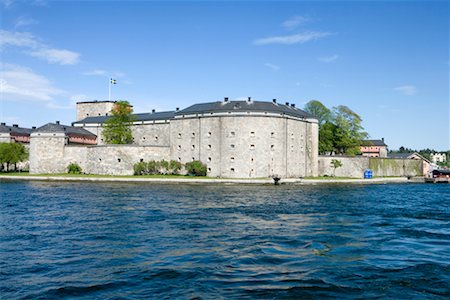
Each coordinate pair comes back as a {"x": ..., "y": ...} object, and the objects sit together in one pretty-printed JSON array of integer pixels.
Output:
[{"x": 128, "y": 241}]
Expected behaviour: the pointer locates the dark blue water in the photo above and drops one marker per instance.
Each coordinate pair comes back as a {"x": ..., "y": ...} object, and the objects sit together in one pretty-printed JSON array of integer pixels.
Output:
[{"x": 131, "y": 241}]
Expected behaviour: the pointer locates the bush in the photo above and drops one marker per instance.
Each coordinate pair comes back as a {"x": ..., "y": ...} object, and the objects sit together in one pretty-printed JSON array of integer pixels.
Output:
[
  {"x": 174, "y": 167},
  {"x": 196, "y": 168},
  {"x": 74, "y": 168},
  {"x": 140, "y": 168}
]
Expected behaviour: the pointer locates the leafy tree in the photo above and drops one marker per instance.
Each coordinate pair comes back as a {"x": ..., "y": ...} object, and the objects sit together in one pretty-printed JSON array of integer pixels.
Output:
[
  {"x": 117, "y": 128},
  {"x": 326, "y": 138},
  {"x": 11, "y": 154},
  {"x": 335, "y": 163},
  {"x": 175, "y": 167},
  {"x": 349, "y": 131},
  {"x": 318, "y": 110}
]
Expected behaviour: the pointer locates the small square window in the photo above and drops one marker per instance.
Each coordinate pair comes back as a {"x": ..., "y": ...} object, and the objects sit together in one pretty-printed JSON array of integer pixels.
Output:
[
  {"x": 143, "y": 138},
  {"x": 156, "y": 138},
  {"x": 193, "y": 147},
  {"x": 179, "y": 147},
  {"x": 209, "y": 146},
  {"x": 179, "y": 159},
  {"x": 232, "y": 159},
  {"x": 119, "y": 160},
  {"x": 232, "y": 146},
  {"x": 252, "y": 160},
  {"x": 141, "y": 160},
  {"x": 209, "y": 169},
  {"x": 252, "y": 146},
  {"x": 193, "y": 158},
  {"x": 193, "y": 134},
  {"x": 232, "y": 133},
  {"x": 272, "y": 134},
  {"x": 232, "y": 169},
  {"x": 252, "y": 134},
  {"x": 209, "y": 133},
  {"x": 179, "y": 135},
  {"x": 209, "y": 159},
  {"x": 272, "y": 147}
]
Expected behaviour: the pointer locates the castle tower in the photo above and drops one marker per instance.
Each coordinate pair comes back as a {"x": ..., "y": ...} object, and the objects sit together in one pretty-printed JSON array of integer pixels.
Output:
[{"x": 94, "y": 109}]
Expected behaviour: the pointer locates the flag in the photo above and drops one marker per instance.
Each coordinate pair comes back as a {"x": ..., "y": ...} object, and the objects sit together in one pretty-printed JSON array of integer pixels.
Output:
[{"x": 113, "y": 81}]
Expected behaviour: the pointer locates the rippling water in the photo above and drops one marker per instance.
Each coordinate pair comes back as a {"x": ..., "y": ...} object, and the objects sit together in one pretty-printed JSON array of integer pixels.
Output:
[{"x": 127, "y": 241}]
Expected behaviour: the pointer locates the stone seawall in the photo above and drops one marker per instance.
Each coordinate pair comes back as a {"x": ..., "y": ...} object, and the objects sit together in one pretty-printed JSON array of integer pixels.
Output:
[{"x": 355, "y": 166}]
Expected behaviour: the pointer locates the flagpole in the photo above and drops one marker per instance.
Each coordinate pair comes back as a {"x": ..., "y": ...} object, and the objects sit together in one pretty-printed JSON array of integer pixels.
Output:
[{"x": 110, "y": 83}]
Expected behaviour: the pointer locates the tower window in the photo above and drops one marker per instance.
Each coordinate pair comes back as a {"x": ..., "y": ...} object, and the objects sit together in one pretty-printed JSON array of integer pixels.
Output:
[
  {"x": 232, "y": 133},
  {"x": 252, "y": 134},
  {"x": 252, "y": 146}
]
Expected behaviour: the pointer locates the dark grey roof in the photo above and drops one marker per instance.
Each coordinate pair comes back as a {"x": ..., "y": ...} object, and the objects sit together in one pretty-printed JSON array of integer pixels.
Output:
[
  {"x": 244, "y": 106},
  {"x": 163, "y": 115},
  {"x": 15, "y": 130},
  {"x": 373, "y": 143},
  {"x": 58, "y": 128}
]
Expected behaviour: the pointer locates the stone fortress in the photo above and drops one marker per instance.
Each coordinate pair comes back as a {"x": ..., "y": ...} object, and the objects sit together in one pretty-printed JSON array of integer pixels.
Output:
[{"x": 235, "y": 139}]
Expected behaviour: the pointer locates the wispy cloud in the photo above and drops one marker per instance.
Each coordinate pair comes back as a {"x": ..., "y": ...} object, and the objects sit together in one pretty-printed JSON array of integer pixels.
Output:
[
  {"x": 294, "y": 22},
  {"x": 20, "y": 83},
  {"x": 101, "y": 72},
  {"x": 407, "y": 90},
  {"x": 35, "y": 47},
  {"x": 272, "y": 66},
  {"x": 57, "y": 56},
  {"x": 24, "y": 21},
  {"x": 328, "y": 59},
  {"x": 292, "y": 39}
]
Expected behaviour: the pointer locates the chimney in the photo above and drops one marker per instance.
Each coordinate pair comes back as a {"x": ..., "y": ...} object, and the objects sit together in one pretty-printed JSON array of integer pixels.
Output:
[
  {"x": 293, "y": 105},
  {"x": 57, "y": 122},
  {"x": 274, "y": 100},
  {"x": 177, "y": 109},
  {"x": 153, "y": 111},
  {"x": 34, "y": 127},
  {"x": 287, "y": 103},
  {"x": 15, "y": 125},
  {"x": 3, "y": 124},
  {"x": 249, "y": 99},
  {"x": 225, "y": 99},
  {"x": 382, "y": 139}
]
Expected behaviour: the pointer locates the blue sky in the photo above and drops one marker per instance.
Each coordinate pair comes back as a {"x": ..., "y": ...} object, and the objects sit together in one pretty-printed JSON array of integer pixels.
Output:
[{"x": 388, "y": 61}]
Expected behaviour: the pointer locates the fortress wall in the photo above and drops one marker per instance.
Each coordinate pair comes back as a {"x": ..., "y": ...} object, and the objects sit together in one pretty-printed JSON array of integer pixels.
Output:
[
  {"x": 351, "y": 166},
  {"x": 395, "y": 167},
  {"x": 47, "y": 153},
  {"x": 151, "y": 134},
  {"x": 245, "y": 146},
  {"x": 93, "y": 109},
  {"x": 120, "y": 159}
]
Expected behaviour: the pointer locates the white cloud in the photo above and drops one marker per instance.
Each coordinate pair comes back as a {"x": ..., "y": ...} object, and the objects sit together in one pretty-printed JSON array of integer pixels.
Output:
[
  {"x": 20, "y": 83},
  {"x": 7, "y": 3},
  {"x": 294, "y": 22},
  {"x": 328, "y": 59},
  {"x": 24, "y": 21},
  {"x": 292, "y": 39},
  {"x": 57, "y": 56},
  {"x": 100, "y": 72},
  {"x": 407, "y": 90},
  {"x": 272, "y": 66},
  {"x": 37, "y": 48}
]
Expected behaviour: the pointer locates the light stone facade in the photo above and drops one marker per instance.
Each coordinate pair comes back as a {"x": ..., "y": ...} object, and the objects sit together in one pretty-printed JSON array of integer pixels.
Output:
[
  {"x": 94, "y": 109},
  {"x": 233, "y": 144}
]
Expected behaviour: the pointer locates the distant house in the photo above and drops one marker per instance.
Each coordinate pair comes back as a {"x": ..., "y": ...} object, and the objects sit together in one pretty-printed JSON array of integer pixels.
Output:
[
  {"x": 438, "y": 157},
  {"x": 374, "y": 148},
  {"x": 427, "y": 166},
  {"x": 11, "y": 134}
]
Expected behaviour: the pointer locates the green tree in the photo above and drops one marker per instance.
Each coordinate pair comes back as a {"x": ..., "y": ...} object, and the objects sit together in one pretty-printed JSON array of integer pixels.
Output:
[
  {"x": 117, "y": 128},
  {"x": 326, "y": 138},
  {"x": 175, "y": 167},
  {"x": 196, "y": 168},
  {"x": 349, "y": 131},
  {"x": 319, "y": 111},
  {"x": 335, "y": 163},
  {"x": 11, "y": 154}
]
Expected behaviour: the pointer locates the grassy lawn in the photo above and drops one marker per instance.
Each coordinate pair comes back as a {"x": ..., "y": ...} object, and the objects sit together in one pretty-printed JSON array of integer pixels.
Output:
[{"x": 331, "y": 178}]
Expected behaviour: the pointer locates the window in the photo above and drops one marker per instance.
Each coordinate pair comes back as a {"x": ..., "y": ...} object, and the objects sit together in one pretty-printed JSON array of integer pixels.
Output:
[
  {"x": 193, "y": 147},
  {"x": 232, "y": 133},
  {"x": 252, "y": 134},
  {"x": 179, "y": 159},
  {"x": 141, "y": 160},
  {"x": 209, "y": 146},
  {"x": 179, "y": 147},
  {"x": 209, "y": 133},
  {"x": 252, "y": 146},
  {"x": 209, "y": 159},
  {"x": 232, "y": 170},
  {"x": 209, "y": 169},
  {"x": 232, "y": 146},
  {"x": 143, "y": 138},
  {"x": 179, "y": 135},
  {"x": 99, "y": 159},
  {"x": 193, "y": 134},
  {"x": 193, "y": 158},
  {"x": 232, "y": 159},
  {"x": 252, "y": 160},
  {"x": 272, "y": 134},
  {"x": 156, "y": 138},
  {"x": 118, "y": 160}
]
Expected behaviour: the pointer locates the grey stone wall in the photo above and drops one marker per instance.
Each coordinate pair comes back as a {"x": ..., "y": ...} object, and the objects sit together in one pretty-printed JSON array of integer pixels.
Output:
[
  {"x": 93, "y": 109},
  {"x": 351, "y": 166},
  {"x": 395, "y": 167},
  {"x": 246, "y": 146},
  {"x": 47, "y": 153}
]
